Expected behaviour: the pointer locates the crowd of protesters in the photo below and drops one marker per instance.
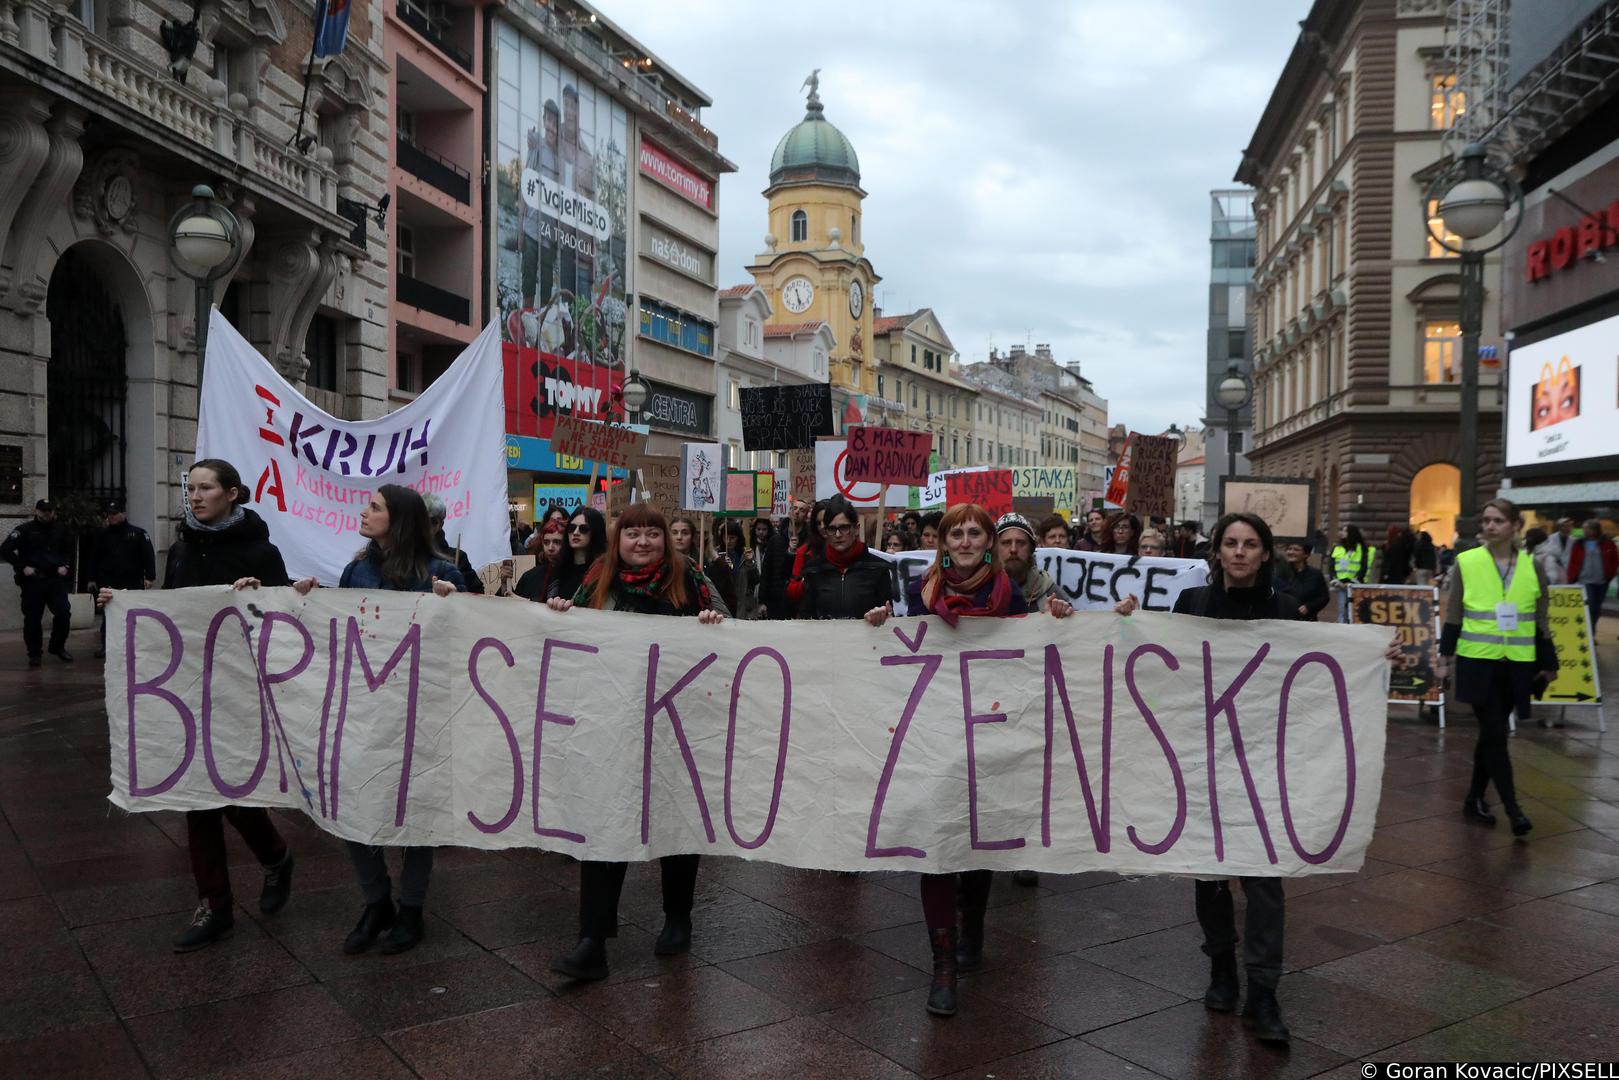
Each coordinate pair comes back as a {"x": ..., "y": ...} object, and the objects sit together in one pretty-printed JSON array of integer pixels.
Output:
[{"x": 815, "y": 564}]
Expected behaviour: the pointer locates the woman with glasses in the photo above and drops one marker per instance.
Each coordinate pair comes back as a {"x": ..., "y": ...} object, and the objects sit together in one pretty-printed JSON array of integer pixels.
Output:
[
  {"x": 1123, "y": 534},
  {"x": 1151, "y": 544},
  {"x": 849, "y": 581},
  {"x": 640, "y": 572},
  {"x": 586, "y": 540}
]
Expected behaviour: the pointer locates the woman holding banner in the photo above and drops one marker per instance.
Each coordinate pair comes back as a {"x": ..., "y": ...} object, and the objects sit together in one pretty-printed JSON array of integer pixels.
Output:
[
  {"x": 1496, "y": 626},
  {"x": 400, "y": 554},
  {"x": 222, "y": 542},
  {"x": 964, "y": 580},
  {"x": 848, "y": 582},
  {"x": 587, "y": 539},
  {"x": 641, "y": 572}
]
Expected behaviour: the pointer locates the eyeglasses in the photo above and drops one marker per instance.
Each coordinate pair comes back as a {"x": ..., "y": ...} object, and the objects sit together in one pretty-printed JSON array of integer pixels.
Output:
[
  {"x": 837, "y": 530},
  {"x": 579, "y": 528}
]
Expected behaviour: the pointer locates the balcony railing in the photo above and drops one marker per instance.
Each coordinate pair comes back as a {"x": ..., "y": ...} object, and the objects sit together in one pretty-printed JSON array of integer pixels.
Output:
[
  {"x": 419, "y": 21},
  {"x": 433, "y": 300},
  {"x": 434, "y": 169},
  {"x": 355, "y": 212}
]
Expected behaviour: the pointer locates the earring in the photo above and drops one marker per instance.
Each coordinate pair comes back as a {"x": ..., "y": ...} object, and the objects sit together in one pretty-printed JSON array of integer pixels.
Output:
[
  {"x": 946, "y": 562},
  {"x": 989, "y": 555}
]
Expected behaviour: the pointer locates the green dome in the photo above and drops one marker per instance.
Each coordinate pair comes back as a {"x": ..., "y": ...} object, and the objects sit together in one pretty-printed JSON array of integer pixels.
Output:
[{"x": 815, "y": 150}]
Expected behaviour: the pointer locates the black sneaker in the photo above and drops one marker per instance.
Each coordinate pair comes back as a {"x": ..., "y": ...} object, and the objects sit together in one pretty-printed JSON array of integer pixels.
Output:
[
  {"x": 208, "y": 925},
  {"x": 277, "y": 886}
]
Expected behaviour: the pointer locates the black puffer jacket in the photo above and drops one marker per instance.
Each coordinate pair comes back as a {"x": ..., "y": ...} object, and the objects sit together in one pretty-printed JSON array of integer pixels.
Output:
[
  {"x": 200, "y": 557},
  {"x": 831, "y": 594},
  {"x": 1254, "y": 602}
]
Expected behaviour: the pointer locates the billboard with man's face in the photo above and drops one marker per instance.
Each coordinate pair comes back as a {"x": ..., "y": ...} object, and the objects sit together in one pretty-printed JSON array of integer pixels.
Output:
[{"x": 561, "y": 182}]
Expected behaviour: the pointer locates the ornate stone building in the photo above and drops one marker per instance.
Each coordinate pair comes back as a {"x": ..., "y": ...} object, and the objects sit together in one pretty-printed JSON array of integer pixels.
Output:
[{"x": 101, "y": 142}]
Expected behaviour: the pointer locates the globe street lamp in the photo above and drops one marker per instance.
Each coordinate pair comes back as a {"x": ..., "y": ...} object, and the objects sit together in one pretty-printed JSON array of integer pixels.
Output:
[
  {"x": 1473, "y": 196},
  {"x": 1233, "y": 393},
  {"x": 205, "y": 242},
  {"x": 635, "y": 393}
]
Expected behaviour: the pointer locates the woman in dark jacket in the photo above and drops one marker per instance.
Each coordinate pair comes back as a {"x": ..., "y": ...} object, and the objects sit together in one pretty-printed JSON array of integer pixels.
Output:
[
  {"x": 1398, "y": 550},
  {"x": 1123, "y": 535},
  {"x": 536, "y": 581},
  {"x": 222, "y": 542},
  {"x": 586, "y": 540},
  {"x": 734, "y": 573},
  {"x": 849, "y": 582},
  {"x": 964, "y": 580},
  {"x": 641, "y": 572},
  {"x": 401, "y": 555}
]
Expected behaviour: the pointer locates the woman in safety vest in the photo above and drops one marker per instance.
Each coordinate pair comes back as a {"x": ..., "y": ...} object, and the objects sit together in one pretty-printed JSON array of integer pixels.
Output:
[
  {"x": 1495, "y": 626},
  {"x": 1351, "y": 565}
]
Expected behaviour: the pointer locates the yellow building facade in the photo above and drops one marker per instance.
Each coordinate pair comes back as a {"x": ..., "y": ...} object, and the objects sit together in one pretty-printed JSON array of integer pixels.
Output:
[{"x": 813, "y": 268}]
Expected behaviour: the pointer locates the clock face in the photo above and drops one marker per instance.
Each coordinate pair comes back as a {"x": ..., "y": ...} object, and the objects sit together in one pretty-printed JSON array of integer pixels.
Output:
[
  {"x": 798, "y": 294},
  {"x": 857, "y": 299}
]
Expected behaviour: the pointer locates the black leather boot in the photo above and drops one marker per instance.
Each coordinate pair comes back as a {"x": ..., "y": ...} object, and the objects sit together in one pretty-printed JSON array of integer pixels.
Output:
[
  {"x": 942, "y": 994},
  {"x": 406, "y": 931},
  {"x": 373, "y": 921},
  {"x": 970, "y": 944},
  {"x": 1476, "y": 809},
  {"x": 277, "y": 886},
  {"x": 1222, "y": 994},
  {"x": 1263, "y": 1014},
  {"x": 208, "y": 925},
  {"x": 675, "y": 937},
  {"x": 587, "y": 962},
  {"x": 1520, "y": 823}
]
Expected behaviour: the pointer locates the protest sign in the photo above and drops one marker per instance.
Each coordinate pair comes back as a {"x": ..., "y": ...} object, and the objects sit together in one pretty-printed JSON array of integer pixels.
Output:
[
  {"x": 1090, "y": 580},
  {"x": 1151, "y": 491},
  {"x": 740, "y": 492},
  {"x": 785, "y": 417},
  {"x": 1413, "y": 610},
  {"x": 888, "y": 455},
  {"x": 1060, "y": 485},
  {"x": 1148, "y": 744},
  {"x": 989, "y": 488},
  {"x": 1033, "y": 507},
  {"x": 606, "y": 444},
  {"x": 702, "y": 487},
  {"x": 832, "y": 478},
  {"x": 1118, "y": 479},
  {"x": 801, "y": 466},
  {"x": 310, "y": 473},
  {"x": 1287, "y": 504},
  {"x": 568, "y": 496},
  {"x": 618, "y": 496},
  {"x": 764, "y": 491},
  {"x": 1569, "y": 620},
  {"x": 660, "y": 480},
  {"x": 781, "y": 490}
]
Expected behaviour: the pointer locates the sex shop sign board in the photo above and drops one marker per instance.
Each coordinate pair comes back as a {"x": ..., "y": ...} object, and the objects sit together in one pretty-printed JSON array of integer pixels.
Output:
[
  {"x": 1142, "y": 744},
  {"x": 310, "y": 474}
]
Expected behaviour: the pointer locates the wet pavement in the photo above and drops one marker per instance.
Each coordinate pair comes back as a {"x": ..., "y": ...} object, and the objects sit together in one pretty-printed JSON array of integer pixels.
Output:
[{"x": 1453, "y": 943}]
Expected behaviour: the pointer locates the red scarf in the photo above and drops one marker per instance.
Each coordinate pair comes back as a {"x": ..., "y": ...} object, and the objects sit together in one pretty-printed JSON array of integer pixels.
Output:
[
  {"x": 949, "y": 593},
  {"x": 842, "y": 562}
]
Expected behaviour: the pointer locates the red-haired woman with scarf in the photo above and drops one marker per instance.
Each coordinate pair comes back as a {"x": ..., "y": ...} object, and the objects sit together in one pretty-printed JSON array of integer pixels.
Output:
[{"x": 964, "y": 580}]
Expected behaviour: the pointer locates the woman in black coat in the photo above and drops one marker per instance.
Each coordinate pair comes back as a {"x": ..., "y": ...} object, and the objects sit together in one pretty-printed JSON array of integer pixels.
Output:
[
  {"x": 585, "y": 541},
  {"x": 222, "y": 542},
  {"x": 849, "y": 582}
]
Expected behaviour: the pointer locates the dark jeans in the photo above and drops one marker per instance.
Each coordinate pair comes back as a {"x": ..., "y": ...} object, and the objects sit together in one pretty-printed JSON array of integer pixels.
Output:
[
  {"x": 37, "y": 595},
  {"x": 1216, "y": 913},
  {"x": 205, "y": 831},
  {"x": 601, "y": 883},
  {"x": 942, "y": 894},
  {"x": 1491, "y": 761},
  {"x": 1594, "y": 595},
  {"x": 371, "y": 871}
]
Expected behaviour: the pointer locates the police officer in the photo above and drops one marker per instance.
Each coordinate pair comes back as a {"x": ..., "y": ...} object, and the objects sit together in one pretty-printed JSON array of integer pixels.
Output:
[
  {"x": 121, "y": 557},
  {"x": 38, "y": 553}
]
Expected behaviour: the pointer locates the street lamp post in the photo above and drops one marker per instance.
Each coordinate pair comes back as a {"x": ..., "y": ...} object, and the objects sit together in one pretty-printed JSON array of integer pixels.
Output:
[
  {"x": 635, "y": 393},
  {"x": 205, "y": 242},
  {"x": 1233, "y": 393},
  {"x": 1473, "y": 195}
]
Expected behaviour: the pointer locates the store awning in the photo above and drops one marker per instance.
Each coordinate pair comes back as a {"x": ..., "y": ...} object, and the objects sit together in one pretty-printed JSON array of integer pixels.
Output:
[{"x": 1595, "y": 492}]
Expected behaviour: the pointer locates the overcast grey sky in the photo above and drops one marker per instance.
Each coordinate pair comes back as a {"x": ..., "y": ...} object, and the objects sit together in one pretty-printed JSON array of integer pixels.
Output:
[{"x": 1036, "y": 170}]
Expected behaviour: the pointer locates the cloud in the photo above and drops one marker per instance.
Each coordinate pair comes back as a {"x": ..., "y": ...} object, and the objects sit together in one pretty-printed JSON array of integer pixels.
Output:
[{"x": 1037, "y": 171}]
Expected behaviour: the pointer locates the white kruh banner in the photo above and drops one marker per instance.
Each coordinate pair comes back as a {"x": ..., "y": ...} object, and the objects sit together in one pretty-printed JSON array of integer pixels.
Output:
[
  {"x": 1148, "y": 744},
  {"x": 311, "y": 474}
]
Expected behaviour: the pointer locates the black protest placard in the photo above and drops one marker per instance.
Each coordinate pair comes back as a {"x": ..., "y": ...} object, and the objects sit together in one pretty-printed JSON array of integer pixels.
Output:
[{"x": 785, "y": 417}]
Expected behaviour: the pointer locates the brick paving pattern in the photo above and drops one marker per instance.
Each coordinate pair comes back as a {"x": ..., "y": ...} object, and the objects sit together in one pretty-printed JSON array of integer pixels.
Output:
[{"x": 1453, "y": 943}]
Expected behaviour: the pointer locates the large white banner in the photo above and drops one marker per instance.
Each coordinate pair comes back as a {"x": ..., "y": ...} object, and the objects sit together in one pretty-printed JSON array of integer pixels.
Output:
[
  {"x": 1091, "y": 580},
  {"x": 1149, "y": 744},
  {"x": 311, "y": 474}
]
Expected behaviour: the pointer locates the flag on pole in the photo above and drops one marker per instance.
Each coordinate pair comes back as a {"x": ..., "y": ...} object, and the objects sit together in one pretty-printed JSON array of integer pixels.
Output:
[{"x": 331, "y": 26}]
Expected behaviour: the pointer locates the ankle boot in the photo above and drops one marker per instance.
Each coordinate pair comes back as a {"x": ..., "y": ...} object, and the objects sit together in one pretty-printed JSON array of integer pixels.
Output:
[
  {"x": 1222, "y": 994},
  {"x": 373, "y": 921},
  {"x": 1263, "y": 1014},
  {"x": 277, "y": 886},
  {"x": 1476, "y": 809},
  {"x": 208, "y": 925},
  {"x": 1520, "y": 822},
  {"x": 675, "y": 937},
  {"x": 970, "y": 949},
  {"x": 406, "y": 931},
  {"x": 942, "y": 994},
  {"x": 587, "y": 962}
]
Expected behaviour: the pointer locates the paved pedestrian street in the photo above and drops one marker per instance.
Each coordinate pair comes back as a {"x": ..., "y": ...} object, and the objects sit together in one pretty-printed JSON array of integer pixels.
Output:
[{"x": 1453, "y": 943}]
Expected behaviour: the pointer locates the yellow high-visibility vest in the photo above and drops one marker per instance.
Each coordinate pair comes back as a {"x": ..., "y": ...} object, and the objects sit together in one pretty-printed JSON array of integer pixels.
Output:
[
  {"x": 1481, "y": 638},
  {"x": 1346, "y": 563}
]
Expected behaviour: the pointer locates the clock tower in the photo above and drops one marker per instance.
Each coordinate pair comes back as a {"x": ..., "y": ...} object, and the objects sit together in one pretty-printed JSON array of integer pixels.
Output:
[{"x": 814, "y": 267}]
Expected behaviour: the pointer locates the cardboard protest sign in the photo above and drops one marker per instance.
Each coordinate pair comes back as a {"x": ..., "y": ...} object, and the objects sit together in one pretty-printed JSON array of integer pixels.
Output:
[
  {"x": 1151, "y": 491},
  {"x": 1033, "y": 507},
  {"x": 801, "y": 465},
  {"x": 1286, "y": 503},
  {"x": 989, "y": 488},
  {"x": 832, "y": 478},
  {"x": 781, "y": 492},
  {"x": 701, "y": 485},
  {"x": 1146, "y": 744},
  {"x": 311, "y": 473},
  {"x": 618, "y": 496},
  {"x": 785, "y": 417},
  {"x": 607, "y": 444},
  {"x": 888, "y": 455},
  {"x": 1577, "y": 682},
  {"x": 1413, "y": 610},
  {"x": 661, "y": 476},
  {"x": 740, "y": 492}
]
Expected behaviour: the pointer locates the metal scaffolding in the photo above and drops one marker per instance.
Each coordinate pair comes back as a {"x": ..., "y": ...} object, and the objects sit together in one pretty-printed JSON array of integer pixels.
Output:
[{"x": 1476, "y": 47}]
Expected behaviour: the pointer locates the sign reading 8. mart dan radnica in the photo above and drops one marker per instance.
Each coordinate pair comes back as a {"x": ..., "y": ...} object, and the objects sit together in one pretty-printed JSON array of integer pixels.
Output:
[{"x": 676, "y": 252}]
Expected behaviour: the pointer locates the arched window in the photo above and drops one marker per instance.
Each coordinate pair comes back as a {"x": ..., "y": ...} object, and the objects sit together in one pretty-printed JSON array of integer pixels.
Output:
[
  {"x": 800, "y": 226},
  {"x": 1436, "y": 499}
]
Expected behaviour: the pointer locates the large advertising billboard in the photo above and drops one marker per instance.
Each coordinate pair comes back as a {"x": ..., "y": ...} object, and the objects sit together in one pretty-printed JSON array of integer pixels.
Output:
[
  {"x": 1563, "y": 398},
  {"x": 561, "y": 181}
]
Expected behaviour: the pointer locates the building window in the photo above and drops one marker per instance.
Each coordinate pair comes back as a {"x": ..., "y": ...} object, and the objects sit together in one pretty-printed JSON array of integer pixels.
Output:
[
  {"x": 405, "y": 246},
  {"x": 854, "y": 228},
  {"x": 671, "y": 326},
  {"x": 1447, "y": 103},
  {"x": 800, "y": 226},
  {"x": 1441, "y": 352},
  {"x": 880, "y": 387},
  {"x": 1436, "y": 224},
  {"x": 1236, "y": 344},
  {"x": 913, "y": 395},
  {"x": 913, "y": 355},
  {"x": 320, "y": 349},
  {"x": 734, "y": 394},
  {"x": 750, "y": 332}
]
